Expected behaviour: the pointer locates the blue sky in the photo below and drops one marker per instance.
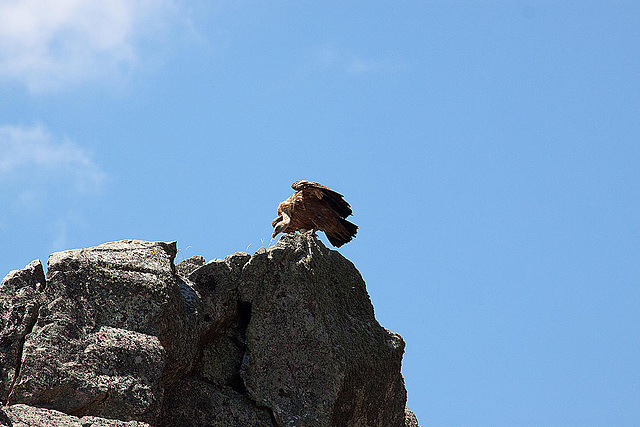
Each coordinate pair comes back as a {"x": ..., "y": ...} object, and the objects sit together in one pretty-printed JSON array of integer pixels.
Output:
[{"x": 490, "y": 152}]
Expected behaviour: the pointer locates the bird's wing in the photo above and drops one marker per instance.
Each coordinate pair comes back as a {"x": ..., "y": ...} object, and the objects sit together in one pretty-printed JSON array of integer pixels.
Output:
[
  {"x": 333, "y": 198},
  {"x": 338, "y": 230}
]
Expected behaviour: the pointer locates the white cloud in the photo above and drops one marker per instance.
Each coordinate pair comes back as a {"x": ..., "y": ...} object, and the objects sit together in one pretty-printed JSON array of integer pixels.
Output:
[
  {"x": 51, "y": 44},
  {"x": 35, "y": 152}
]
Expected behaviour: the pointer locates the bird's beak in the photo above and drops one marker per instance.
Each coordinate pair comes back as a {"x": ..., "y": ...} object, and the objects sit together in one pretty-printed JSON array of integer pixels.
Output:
[
  {"x": 277, "y": 229},
  {"x": 280, "y": 224}
]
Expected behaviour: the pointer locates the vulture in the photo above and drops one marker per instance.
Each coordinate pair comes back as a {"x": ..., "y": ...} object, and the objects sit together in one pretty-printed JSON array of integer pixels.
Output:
[{"x": 314, "y": 207}]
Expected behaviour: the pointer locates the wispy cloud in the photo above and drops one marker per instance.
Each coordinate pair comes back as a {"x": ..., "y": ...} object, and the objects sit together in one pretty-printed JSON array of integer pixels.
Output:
[
  {"x": 49, "y": 45},
  {"x": 330, "y": 58},
  {"x": 34, "y": 151},
  {"x": 361, "y": 66},
  {"x": 47, "y": 185}
]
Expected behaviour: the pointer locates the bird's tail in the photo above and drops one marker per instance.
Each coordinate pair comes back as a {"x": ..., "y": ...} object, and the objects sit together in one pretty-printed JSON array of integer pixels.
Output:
[{"x": 349, "y": 232}]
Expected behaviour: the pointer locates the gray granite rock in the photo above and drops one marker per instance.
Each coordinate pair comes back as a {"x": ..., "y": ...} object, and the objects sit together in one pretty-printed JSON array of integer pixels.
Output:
[
  {"x": 114, "y": 330},
  {"x": 196, "y": 403},
  {"x": 20, "y": 301},
  {"x": 315, "y": 354},
  {"x": 30, "y": 416},
  {"x": 117, "y": 333},
  {"x": 187, "y": 266}
]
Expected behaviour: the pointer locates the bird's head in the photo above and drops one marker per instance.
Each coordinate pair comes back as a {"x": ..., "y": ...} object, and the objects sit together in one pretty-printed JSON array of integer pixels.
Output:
[
  {"x": 280, "y": 224},
  {"x": 278, "y": 228}
]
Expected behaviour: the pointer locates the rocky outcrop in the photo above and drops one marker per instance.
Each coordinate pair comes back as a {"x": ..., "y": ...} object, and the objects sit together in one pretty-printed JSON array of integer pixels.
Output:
[{"x": 118, "y": 335}]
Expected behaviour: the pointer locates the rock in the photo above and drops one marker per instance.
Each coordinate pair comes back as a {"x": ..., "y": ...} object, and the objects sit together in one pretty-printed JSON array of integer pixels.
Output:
[
  {"x": 186, "y": 267},
  {"x": 284, "y": 337},
  {"x": 315, "y": 354},
  {"x": 296, "y": 333},
  {"x": 113, "y": 332},
  {"x": 195, "y": 403},
  {"x": 29, "y": 416},
  {"x": 410, "y": 419},
  {"x": 20, "y": 301}
]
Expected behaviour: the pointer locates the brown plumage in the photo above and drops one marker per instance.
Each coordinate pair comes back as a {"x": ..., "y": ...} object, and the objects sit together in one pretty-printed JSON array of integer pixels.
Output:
[{"x": 315, "y": 207}]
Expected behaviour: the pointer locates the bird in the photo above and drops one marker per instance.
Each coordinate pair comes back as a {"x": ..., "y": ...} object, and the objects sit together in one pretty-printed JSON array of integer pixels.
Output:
[{"x": 314, "y": 207}]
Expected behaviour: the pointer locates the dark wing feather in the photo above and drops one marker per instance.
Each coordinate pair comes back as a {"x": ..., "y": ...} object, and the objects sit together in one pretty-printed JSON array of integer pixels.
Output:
[
  {"x": 343, "y": 234},
  {"x": 319, "y": 215},
  {"x": 333, "y": 198}
]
